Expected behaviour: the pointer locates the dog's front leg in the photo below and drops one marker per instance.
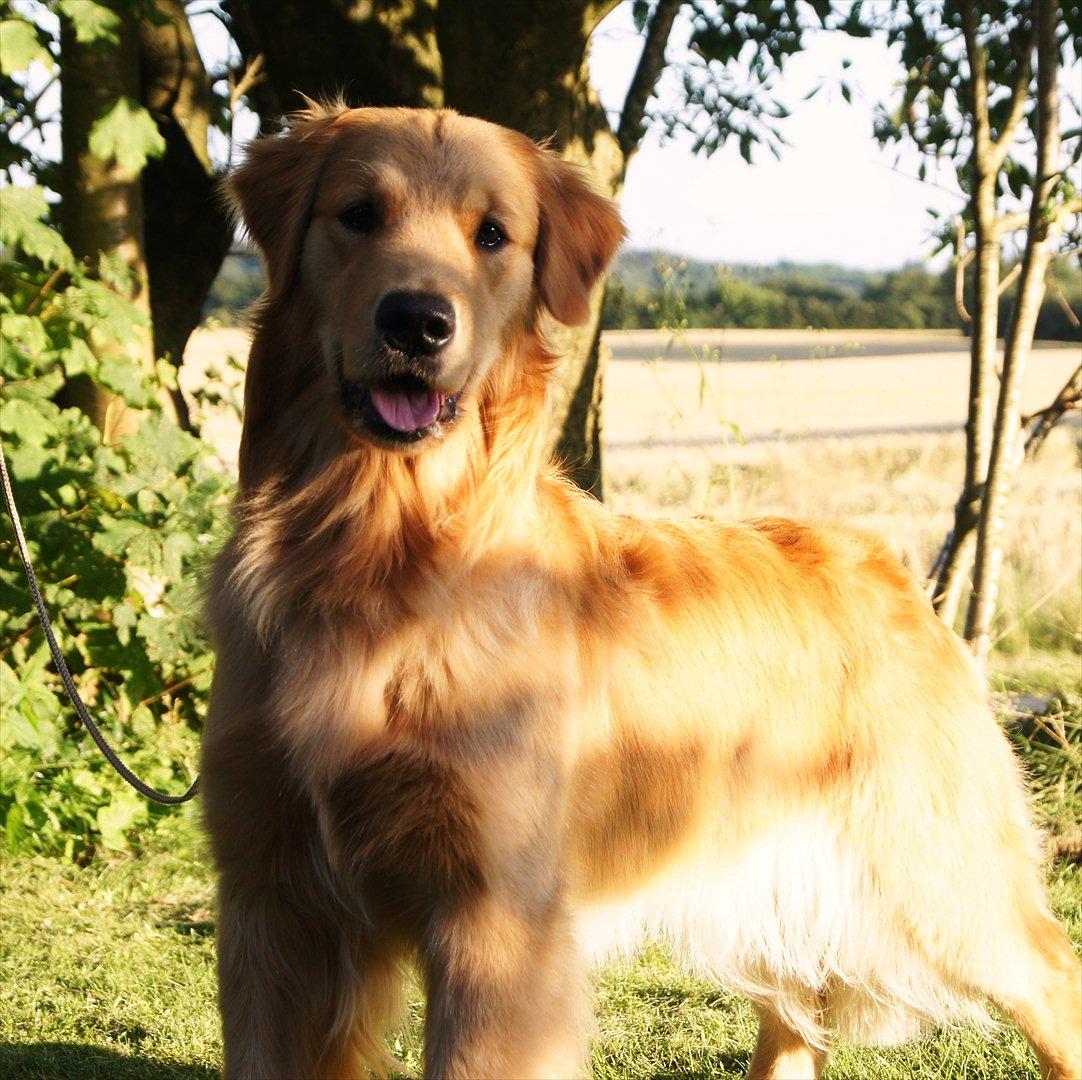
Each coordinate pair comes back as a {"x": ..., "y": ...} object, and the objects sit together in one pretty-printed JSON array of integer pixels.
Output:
[
  {"x": 507, "y": 992},
  {"x": 282, "y": 988},
  {"x": 304, "y": 990}
]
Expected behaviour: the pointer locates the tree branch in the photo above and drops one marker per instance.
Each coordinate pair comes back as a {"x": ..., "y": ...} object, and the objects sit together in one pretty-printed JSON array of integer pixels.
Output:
[
  {"x": 261, "y": 94},
  {"x": 1071, "y": 206},
  {"x": 651, "y": 64},
  {"x": 962, "y": 259},
  {"x": 1057, "y": 294},
  {"x": 1008, "y": 279},
  {"x": 978, "y": 84},
  {"x": 1008, "y": 223},
  {"x": 1001, "y": 145},
  {"x": 1069, "y": 397},
  {"x": 253, "y": 74}
]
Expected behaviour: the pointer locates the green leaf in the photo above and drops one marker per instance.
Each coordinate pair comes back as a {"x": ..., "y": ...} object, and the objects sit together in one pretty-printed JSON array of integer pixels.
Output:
[
  {"x": 123, "y": 811},
  {"x": 78, "y": 358},
  {"x": 24, "y": 421},
  {"x": 113, "y": 269},
  {"x": 27, "y": 727},
  {"x": 91, "y": 21},
  {"x": 21, "y": 227},
  {"x": 166, "y": 372},
  {"x": 127, "y": 133},
  {"x": 10, "y": 691},
  {"x": 15, "y": 830},
  {"x": 27, "y": 331},
  {"x": 119, "y": 537},
  {"x": 117, "y": 372},
  {"x": 20, "y": 46}
]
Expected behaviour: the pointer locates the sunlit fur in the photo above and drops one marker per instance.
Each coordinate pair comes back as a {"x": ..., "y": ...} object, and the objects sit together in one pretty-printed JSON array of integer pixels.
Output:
[{"x": 467, "y": 718}]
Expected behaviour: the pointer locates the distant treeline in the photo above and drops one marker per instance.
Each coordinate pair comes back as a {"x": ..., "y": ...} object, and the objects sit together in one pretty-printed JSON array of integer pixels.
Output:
[{"x": 649, "y": 289}]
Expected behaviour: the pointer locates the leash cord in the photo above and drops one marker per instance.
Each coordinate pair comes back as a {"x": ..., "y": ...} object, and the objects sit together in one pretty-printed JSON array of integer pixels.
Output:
[{"x": 62, "y": 666}]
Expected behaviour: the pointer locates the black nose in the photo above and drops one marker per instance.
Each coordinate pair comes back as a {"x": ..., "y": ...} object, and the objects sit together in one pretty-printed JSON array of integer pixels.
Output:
[{"x": 416, "y": 323}]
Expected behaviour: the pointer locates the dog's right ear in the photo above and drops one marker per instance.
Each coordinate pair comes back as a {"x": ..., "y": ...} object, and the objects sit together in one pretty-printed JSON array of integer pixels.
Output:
[{"x": 274, "y": 189}]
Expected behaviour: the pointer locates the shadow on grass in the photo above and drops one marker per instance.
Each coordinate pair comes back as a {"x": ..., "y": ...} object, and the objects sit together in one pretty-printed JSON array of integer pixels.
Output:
[
  {"x": 73, "y": 1061},
  {"x": 721, "y": 1064}
]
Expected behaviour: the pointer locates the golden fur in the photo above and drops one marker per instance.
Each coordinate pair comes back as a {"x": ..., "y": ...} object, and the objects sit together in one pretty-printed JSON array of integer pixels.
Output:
[{"x": 466, "y": 717}]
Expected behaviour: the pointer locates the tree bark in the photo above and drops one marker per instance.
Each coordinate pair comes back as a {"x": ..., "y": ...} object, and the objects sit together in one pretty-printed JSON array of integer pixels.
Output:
[
  {"x": 526, "y": 65},
  {"x": 980, "y": 410},
  {"x": 952, "y": 566},
  {"x": 101, "y": 203},
  {"x": 187, "y": 226},
  {"x": 1007, "y": 449},
  {"x": 382, "y": 52}
]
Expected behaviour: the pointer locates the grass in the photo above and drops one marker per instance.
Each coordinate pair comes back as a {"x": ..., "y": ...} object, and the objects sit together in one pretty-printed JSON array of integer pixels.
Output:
[{"x": 108, "y": 970}]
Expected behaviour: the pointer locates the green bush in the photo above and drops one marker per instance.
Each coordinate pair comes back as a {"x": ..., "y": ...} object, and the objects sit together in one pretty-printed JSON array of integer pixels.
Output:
[{"x": 118, "y": 534}]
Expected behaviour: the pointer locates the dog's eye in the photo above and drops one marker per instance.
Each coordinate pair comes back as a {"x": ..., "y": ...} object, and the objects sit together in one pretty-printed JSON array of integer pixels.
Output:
[
  {"x": 360, "y": 218},
  {"x": 490, "y": 236}
]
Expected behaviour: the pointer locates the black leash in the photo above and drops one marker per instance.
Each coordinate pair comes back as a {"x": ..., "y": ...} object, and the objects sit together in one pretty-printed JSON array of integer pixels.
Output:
[{"x": 62, "y": 666}]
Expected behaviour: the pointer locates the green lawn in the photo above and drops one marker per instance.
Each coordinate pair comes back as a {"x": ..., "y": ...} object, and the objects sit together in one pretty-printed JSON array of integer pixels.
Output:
[{"x": 107, "y": 971}]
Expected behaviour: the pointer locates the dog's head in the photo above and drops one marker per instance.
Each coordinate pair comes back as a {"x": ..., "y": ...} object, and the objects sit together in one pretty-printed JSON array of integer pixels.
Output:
[{"x": 422, "y": 242}]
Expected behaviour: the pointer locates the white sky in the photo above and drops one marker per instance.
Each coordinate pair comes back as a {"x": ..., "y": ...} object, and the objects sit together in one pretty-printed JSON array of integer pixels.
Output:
[{"x": 833, "y": 196}]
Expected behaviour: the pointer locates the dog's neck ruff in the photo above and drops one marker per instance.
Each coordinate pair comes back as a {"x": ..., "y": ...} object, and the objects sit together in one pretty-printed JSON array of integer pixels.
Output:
[{"x": 327, "y": 524}]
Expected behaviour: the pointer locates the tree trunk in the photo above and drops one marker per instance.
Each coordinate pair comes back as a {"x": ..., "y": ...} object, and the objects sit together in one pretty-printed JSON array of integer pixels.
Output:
[
  {"x": 980, "y": 410},
  {"x": 526, "y": 65},
  {"x": 1007, "y": 447},
  {"x": 188, "y": 228},
  {"x": 101, "y": 203},
  {"x": 984, "y": 168},
  {"x": 382, "y": 52}
]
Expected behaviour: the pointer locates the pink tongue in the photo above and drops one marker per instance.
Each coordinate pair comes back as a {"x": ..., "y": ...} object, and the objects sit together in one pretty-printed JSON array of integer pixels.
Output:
[{"x": 406, "y": 410}]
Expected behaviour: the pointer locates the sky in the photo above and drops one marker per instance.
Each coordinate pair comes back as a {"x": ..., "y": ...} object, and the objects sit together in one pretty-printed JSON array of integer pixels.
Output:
[{"x": 834, "y": 196}]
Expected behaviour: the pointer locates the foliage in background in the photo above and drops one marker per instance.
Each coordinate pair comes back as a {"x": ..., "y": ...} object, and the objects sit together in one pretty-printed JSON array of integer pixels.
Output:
[
  {"x": 117, "y": 532},
  {"x": 795, "y": 296}
]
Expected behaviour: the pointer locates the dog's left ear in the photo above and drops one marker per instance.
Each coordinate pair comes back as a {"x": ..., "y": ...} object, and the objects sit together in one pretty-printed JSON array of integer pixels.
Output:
[{"x": 580, "y": 231}]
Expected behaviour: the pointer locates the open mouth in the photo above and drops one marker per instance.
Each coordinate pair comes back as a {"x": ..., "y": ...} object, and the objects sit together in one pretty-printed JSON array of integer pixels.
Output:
[{"x": 402, "y": 409}]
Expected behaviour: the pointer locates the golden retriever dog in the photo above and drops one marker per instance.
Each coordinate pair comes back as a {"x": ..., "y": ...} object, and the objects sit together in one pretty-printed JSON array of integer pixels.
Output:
[{"x": 466, "y": 718}]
